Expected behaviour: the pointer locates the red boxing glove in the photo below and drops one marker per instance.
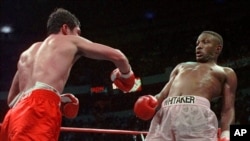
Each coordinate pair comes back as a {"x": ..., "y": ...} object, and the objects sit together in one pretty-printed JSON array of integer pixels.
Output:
[
  {"x": 70, "y": 105},
  {"x": 124, "y": 82},
  {"x": 225, "y": 136},
  {"x": 145, "y": 106}
]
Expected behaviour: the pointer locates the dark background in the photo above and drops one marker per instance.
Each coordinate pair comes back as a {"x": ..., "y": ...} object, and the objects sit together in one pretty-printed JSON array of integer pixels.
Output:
[{"x": 154, "y": 35}]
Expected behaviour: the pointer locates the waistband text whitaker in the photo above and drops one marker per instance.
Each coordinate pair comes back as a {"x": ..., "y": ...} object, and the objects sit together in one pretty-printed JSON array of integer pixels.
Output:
[{"x": 179, "y": 99}]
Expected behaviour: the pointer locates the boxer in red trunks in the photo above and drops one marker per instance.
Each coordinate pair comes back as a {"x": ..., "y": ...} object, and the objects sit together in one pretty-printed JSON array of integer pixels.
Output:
[
  {"x": 184, "y": 103},
  {"x": 36, "y": 106}
]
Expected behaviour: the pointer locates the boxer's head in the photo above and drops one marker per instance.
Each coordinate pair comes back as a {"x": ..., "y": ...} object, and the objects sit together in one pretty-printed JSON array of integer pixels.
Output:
[
  {"x": 208, "y": 46},
  {"x": 61, "y": 17}
]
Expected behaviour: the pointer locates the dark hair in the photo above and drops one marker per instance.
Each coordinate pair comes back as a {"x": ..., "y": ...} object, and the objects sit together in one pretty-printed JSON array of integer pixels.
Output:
[
  {"x": 215, "y": 34},
  {"x": 59, "y": 17}
]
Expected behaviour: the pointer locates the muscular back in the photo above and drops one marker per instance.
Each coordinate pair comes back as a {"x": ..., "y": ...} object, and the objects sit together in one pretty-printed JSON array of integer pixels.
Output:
[
  {"x": 191, "y": 78},
  {"x": 53, "y": 61},
  {"x": 25, "y": 67}
]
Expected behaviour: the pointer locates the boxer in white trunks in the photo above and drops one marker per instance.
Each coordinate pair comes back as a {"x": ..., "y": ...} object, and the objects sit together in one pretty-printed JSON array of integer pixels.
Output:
[{"x": 181, "y": 111}]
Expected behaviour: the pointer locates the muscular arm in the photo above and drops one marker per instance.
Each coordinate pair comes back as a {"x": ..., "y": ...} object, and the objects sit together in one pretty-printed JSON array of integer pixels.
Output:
[
  {"x": 102, "y": 52},
  {"x": 228, "y": 97},
  {"x": 14, "y": 89}
]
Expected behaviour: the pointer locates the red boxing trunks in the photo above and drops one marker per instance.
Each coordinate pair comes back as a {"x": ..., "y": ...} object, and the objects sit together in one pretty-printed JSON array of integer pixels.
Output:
[{"x": 36, "y": 117}]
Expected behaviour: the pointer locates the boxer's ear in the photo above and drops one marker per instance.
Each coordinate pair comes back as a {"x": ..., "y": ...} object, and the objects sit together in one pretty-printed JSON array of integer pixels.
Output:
[
  {"x": 218, "y": 49},
  {"x": 65, "y": 29}
]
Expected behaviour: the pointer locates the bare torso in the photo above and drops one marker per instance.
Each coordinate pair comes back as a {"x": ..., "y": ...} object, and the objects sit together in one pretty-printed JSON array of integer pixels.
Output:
[
  {"x": 199, "y": 79},
  {"x": 49, "y": 62}
]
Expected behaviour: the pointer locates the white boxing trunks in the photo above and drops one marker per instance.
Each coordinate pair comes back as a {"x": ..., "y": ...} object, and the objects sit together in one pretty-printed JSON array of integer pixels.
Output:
[{"x": 184, "y": 118}]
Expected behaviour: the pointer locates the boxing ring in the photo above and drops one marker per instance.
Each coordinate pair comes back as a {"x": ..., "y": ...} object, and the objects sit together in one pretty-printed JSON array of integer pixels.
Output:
[
  {"x": 106, "y": 131},
  {"x": 112, "y": 131}
]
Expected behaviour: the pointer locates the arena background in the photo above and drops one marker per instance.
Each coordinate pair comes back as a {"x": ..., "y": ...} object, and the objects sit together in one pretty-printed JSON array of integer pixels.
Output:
[{"x": 155, "y": 35}]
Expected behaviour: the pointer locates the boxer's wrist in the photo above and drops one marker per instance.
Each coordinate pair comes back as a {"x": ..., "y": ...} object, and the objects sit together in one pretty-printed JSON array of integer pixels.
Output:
[
  {"x": 127, "y": 74},
  {"x": 225, "y": 134}
]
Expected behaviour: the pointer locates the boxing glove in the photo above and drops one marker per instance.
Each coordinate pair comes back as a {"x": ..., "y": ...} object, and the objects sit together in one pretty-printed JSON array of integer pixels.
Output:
[
  {"x": 69, "y": 105},
  {"x": 145, "y": 107},
  {"x": 225, "y": 136},
  {"x": 124, "y": 82}
]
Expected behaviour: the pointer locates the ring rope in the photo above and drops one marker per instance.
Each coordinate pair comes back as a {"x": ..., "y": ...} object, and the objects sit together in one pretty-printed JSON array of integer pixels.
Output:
[{"x": 112, "y": 131}]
